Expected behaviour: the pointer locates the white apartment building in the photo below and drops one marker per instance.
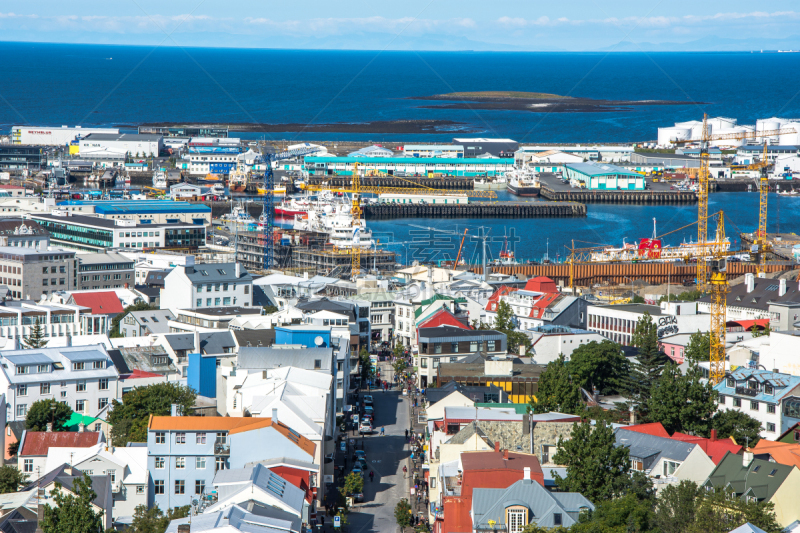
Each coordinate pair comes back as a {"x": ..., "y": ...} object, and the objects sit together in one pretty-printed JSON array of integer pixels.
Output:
[
  {"x": 618, "y": 322},
  {"x": 381, "y": 314},
  {"x": 207, "y": 285},
  {"x": 405, "y": 329},
  {"x": 83, "y": 377}
]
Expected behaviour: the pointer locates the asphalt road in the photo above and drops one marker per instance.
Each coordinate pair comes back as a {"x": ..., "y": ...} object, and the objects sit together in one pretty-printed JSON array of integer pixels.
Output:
[{"x": 386, "y": 456}]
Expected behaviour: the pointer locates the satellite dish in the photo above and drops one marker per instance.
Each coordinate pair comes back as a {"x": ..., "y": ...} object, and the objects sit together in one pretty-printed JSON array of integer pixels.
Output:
[{"x": 319, "y": 341}]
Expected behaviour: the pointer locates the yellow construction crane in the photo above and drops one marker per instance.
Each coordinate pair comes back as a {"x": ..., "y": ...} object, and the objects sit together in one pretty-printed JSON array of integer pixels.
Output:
[{"x": 356, "y": 189}]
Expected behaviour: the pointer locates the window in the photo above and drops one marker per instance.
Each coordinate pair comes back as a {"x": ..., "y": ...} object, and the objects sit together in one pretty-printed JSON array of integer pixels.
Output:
[
  {"x": 453, "y": 347},
  {"x": 217, "y": 302},
  {"x": 199, "y": 302},
  {"x": 159, "y": 463},
  {"x": 22, "y": 370},
  {"x": 80, "y": 405},
  {"x": 98, "y": 365},
  {"x": 180, "y": 486},
  {"x": 22, "y": 410},
  {"x": 737, "y": 402},
  {"x": 44, "y": 388},
  {"x": 200, "y": 463},
  {"x": 158, "y": 486},
  {"x": 753, "y": 405},
  {"x": 113, "y": 473},
  {"x": 216, "y": 287},
  {"x": 180, "y": 437},
  {"x": 180, "y": 463},
  {"x": 43, "y": 368},
  {"x": 22, "y": 390},
  {"x": 102, "y": 402},
  {"x": 770, "y": 427},
  {"x": 78, "y": 366},
  {"x": 556, "y": 519},
  {"x": 28, "y": 465},
  {"x": 199, "y": 486},
  {"x": 721, "y": 399},
  {"x": 437, "y": 347},
  {"x": 317, "y": 364},
  {"x": 219, "y": 464},
  {"x": 436, "y": 362},
  {"x": 423, "y": 362},
  {"x": 208, "y": 302},
  {"x": 200, "y": 438},
  {"x": 771, "y": 408},
  {"x": 139, "y": 489},
  {"x": 670, "y": 467},
  {"x": 490, "y": 346},
  {"x": 516, "y": 519},
  {"x": 768, "y": 389},
  {"x": 731, "y": 383},
  {"x": 103, "y": 384},
  {"x": 226, "y": 301},
  {"x": 80, "y": 386},
  {"x": 161, "y": 437},
  {"x": 98, "y": 426}
]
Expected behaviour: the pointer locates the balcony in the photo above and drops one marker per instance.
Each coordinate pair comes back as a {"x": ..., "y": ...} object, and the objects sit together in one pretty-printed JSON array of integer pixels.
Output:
[
  {"x": 746, "y": 391},
  {"x": 221, "y": 448}
]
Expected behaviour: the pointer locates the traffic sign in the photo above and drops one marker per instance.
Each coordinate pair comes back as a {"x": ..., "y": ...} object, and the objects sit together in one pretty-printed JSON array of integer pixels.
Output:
[{"x": 337, "y": 522}]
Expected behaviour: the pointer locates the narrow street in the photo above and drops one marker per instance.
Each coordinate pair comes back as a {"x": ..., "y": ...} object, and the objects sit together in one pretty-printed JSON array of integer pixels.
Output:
[{"x": 386, "y": 456}]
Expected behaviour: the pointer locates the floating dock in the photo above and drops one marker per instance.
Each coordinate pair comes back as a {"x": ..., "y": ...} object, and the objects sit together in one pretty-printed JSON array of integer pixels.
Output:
[
  {"x": 443, "y": 183},
  {"x": 476, "y": 210}
]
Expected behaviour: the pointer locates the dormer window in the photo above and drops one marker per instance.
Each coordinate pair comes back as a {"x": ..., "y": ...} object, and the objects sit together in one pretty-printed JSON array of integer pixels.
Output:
[
  {"x": 78, "y": 366},
  {"x": 516, "y": 518},
  {"x": 22, "y": 369},
  {"x": 730, "y": 382},
  {"x": 43, "y": 368},
  {"x": 768, "y": 389}
]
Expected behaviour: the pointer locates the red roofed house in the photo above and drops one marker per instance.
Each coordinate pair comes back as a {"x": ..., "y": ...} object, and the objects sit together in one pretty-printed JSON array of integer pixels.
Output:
[
  {"x": 713, "y": 447},
  {"x": 540, "y": 303},
  {"x": 498, "y": 469},
  {"x": 442, "y": 317},
  {"x": 105, "y": 305},
  {"x": 33, "y": 446}
]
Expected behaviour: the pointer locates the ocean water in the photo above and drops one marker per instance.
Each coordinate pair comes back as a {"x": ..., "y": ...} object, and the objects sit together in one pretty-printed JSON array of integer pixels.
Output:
[{"x": 54, "y": 84}]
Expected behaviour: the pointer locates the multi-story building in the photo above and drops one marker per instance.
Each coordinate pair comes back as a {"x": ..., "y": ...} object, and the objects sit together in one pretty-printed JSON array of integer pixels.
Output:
[
  {"x": 141, "y": 211},
  {"x": 133, "y": 144},
  {"x": 618, "y": 322},
  {"x": 520, "y": 381},
  {"x": 143, "y": 323},
  {"x": 21, "y": 157},
  {"x": 451, "y": 344},
  {"x": 207, "y": 285},
  {"x": 94, "y": 234},
  {"x": 83, "y": 377},
  {"x": 209, "y": 318},
  {"x": 752, "y": 299},
  {"x": 540, "y": 303},
  {"x": 381, "y": 314},
  {"x": 53, "y": 135},
  {"x": 17, "y": 318},
  {"x": 105, "y": 271},
  {"x": 23, "y": 233},
  {"x": 184, "y": 452},
  {"x": 30, "y": 272},
  {"x": 770, "y": 397}
]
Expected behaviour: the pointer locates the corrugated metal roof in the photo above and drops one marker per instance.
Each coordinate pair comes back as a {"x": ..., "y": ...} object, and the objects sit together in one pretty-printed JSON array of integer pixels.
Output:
[
  {"x": 30, "y": 359},
  {"x": 36, "y": 443},
  {"x": 413, "y": 160},
  {"x": 263, "y": 358}
]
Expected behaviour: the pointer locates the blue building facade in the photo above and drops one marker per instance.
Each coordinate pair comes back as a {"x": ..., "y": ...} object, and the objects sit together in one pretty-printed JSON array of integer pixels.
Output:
[
  {"x": 202, "y": 375},
  {"x": 408, "y": 166},
  {"x": 304, "y": 335}
]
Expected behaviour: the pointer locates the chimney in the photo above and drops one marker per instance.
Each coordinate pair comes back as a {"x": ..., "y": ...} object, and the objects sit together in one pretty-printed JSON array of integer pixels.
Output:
[
  {"x": 750, "y": 282},
  {"x": 633, "y": 417},
  {"x": 197, "y": 341},
  {"x": 184, "y": 528},
  {"x": 175, "y": 410},
  {"x": 238, "y": 270},
  {"x": 505, "y": 454},
  {"x": 596, "y": 395},
  {"x": 305, "y": 276},
  {"x": 782, "y": 287},
  {"x": 68, "y": 340},
  {"x": 497, "y": 447},
  {"x": 49, "y": 427},
  {"x": 81, "y": 427},
  {"x": 274, "y": 415},
  {"x": 713, "y": 435},
  {"x": 526, "y": 473},
  {"x": 747, "y": 458}
]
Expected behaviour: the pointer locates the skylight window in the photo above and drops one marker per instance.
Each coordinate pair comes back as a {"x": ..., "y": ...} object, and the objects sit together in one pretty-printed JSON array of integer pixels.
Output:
[
  {"x": 203, "y": 273},
  {"x": 222, "y": 272}
]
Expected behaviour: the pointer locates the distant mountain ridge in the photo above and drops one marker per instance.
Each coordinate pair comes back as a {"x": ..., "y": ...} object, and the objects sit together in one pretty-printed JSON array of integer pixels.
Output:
[{"x": 710, "y": 44}]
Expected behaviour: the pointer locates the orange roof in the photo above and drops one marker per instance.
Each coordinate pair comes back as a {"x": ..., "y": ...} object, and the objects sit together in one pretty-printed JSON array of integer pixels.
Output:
[
  {"x": 714, "y": 448},
  {"x": 655, "y": 429},
  {"x": 781, "y": 452},
  {"x": 232, "y": 425},
  {"x": 101, "y": 303}
]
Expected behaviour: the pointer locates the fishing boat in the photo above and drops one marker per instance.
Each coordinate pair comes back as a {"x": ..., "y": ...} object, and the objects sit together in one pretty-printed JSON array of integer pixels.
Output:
[
  {"x": 277, "y": 189},
  {"x": 523, "y": 182},
  {"x": 238, "y": 179},
  {"x": 160, "y": 179},
  {"x": 239, "y": 215},
  {"x": 336, "y": 220}
]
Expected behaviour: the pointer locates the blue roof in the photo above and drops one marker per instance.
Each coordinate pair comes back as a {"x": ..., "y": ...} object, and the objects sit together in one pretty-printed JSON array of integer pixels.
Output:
[
  {"x": 592, "y": 169},
  {"x": 782, "y": 383},
  {"x": 770, "y": 148},
  {"x": 448, "y": 147},
  {"x": 117, "y": 207},
  {"x": 412, "y": 160}
]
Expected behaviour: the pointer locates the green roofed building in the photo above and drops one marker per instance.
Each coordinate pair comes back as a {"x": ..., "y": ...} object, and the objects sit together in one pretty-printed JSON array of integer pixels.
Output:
[
  {"x": 90, "y": 423},
  {"x": 603, "y": 177}
]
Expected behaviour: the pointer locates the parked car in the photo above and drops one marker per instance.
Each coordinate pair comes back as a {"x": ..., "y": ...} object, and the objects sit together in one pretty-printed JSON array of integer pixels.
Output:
[
  {"x": 361, "y": 454},
  {"x": 368, "y": 410},
  {"x": 365, "y": 427},
  {"x": 368, "y": 400},
  {"x": 357, "y": 470}
]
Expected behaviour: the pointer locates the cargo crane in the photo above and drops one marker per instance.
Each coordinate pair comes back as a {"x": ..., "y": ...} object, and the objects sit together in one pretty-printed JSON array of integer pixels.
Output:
[
  {"x": 268, "y": 211},
  {"x": 356, "y": 189}
]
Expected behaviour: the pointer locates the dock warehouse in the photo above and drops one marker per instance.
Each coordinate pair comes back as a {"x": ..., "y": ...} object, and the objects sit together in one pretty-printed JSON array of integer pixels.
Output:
[
  {"x": 211, "y": 156},
  {"x": 611, "y": 153},
  {"x": 434, "y": 150},
  {"x": 408, "y": 166},
  {"x": 665, "y": 160},
  {"x": 142, "y": 211},
  {"x": 600, "y": 177},
  {"x": 481, "y": 145},
  {"x": 53, "y": 136},
  {"x": 131, "y": 143}
]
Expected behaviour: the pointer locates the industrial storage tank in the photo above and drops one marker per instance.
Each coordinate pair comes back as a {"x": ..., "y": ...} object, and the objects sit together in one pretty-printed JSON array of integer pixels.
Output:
[
  {"x": 722, "y": 123},
  {"x": 666, "y": 135},
  {"x": 790, "y": 139},
  {"x": 768, "y": 124},
  {"x": 696, "y": 127},
  {"x": 729, "y": 142}
]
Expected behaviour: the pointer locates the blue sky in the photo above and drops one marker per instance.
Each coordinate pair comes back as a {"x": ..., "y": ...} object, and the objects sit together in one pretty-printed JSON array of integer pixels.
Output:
[{"x": 410, "y": 24}]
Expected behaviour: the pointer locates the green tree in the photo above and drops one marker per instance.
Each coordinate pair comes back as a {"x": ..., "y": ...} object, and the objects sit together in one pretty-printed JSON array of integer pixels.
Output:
[
  {"x": 36, "y": 337},
  {"x": 720, "y": 512},
  {"x": 73, "y": 512},
  {"x": 535, "y": 528},
  {"x": 129, "y": 417},
  {"x": 399, "y": 365},
  {"x": 685, "y": 296},
  {"x": 153, "y": 520},
  {"x": 761, "y": 333},
  {"x": 353, "y": 484},
  {"x": 366, "y": 364},
  {"x": 139, "y": 306},
  {"x": 626, "y": 514},
  {"x": 682, "y": 402},
  {"x": 11, "y": 479},
  {"x": 649, "y": 361},
  {"x": 596, "y": 467},
  {"x": 744, "y": 429},
  {"x": 505, "y": 323},
  {"x": 270, "y": 309},
  {"x": 598, "y": 365},
  {"x": 43, "y": 412},
  {"x": 402, "y": 513},
  {"x": 13, "y": 448},
  {"x": 676, "y": 507},
  {"x": 556, "y": 390}
]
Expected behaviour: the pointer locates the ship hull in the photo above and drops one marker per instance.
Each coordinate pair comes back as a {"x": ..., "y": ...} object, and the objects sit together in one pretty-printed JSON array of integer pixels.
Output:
[{"x": 523, "y": 191}]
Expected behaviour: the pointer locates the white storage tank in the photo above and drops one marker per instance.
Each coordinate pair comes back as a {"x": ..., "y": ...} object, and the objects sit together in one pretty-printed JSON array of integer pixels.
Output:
[
  {"x": 666, "y": 135},
  {"x": 721, "y": 123},
  {"x": 768, "y": 124},
  {"x": 790, "y": 139},
  {"x": 729, "y": 142}
]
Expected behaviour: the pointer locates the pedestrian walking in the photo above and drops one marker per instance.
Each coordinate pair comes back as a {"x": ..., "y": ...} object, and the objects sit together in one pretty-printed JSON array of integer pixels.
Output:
[
  {"x": 371, "y": 475},
  {"x": 383, "y": 431},
  {"x": 406, "y": 433},
  {"x": 405, "y": 471}
]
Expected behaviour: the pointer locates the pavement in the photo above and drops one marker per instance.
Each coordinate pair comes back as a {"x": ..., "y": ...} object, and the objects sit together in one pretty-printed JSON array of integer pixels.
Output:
[{"x": 386, "y": 456}]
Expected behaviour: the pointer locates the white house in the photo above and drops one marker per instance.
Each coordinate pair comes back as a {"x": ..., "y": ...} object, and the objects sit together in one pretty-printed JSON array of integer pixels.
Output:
[
  {"x": 618, "y": 322},
  {"x": 83, "y": 377},
  {"x": 550, "y": 342},
  {"x": 207, "y": 285}
]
